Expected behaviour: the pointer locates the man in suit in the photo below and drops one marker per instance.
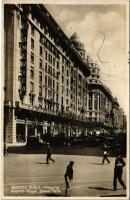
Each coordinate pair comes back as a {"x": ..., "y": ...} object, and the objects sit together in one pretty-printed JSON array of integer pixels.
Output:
[
  {"x": 49, "y": 153},
  {"x": 105, "y": 154},
  {"x": 68, "y": 177},
  {"x": 118, "y": 171}
]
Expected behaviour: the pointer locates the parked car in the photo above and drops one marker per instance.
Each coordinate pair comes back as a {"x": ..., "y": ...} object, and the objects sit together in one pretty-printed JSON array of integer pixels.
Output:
[
  {"x": 78, "y": 141},
  {"x": 93, "y": 140},
  {"x": 32, "y": 142},
  {"x": 57, "y": 140}
]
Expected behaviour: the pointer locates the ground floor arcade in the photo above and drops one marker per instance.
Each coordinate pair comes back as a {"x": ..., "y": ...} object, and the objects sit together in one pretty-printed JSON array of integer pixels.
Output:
[{"x": 27, "y": 123}]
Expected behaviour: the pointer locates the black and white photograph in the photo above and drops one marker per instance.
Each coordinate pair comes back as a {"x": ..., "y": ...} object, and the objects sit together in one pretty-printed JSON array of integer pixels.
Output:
[{"x": 65, "y": 99}]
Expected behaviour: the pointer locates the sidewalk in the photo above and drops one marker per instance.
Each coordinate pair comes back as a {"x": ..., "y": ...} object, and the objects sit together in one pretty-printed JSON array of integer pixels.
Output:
[{"x": 28, "y": 175}]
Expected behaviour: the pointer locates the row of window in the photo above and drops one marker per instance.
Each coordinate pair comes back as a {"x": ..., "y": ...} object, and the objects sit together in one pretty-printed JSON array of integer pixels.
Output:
[
  {"x": 51, "y": 95},
  {"x": 50, "y": 59},
  {"x": 48, "y": 81},
  {"x": 48, "y": 45},
  {"x": 32, "y": 60},
  {"x": 49, "y": 70},
  {"x": 100, "y": 101},
  {"x": 45, "y": 29},
  {"x": 51, "y": 85},
  {"x": 49, "y": 78}
]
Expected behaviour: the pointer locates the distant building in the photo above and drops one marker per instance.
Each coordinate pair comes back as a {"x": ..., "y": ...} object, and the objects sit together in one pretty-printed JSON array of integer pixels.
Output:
[
  {"x": 50, "y": 85},
  {"x": 122, "y": 121}
]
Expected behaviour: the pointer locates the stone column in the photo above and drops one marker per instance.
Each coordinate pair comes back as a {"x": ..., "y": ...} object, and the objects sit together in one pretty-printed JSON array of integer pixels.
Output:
[
  {"x": 87, "y": 104},
  {"x": 35, "y": 131},
  {"x": 93, "y": 102},
  {"x": 98, "y": 103},
  {"x": 43, "y": 132},
  {"x": 26, "y": 130},
  {"x": 51, "y": 128},
  {"x": 93, "y": 106},
  {"x": 98, "y": 108},
  {"x": 11, "y": 129},
  {"x": 35, "y": 128}
]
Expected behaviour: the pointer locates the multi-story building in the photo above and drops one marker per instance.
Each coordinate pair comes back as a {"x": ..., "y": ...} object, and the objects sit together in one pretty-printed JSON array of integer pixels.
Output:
[
  {"x": 46, "y": 84},
  {"x": 101, "y": 108}
]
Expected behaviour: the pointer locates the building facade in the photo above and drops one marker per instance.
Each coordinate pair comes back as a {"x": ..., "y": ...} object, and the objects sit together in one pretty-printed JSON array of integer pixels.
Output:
[
  {"x": 51, "y": 86},
  {"x": 102, "y": 109}
]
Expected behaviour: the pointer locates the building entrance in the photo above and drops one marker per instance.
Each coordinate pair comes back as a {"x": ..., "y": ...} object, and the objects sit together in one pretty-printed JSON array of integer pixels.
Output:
[{"x": 20, "y": 133}]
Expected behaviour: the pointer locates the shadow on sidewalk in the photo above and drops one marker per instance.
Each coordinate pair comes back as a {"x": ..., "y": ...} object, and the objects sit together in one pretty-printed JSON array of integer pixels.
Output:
[
  {"x": 41, "y": 163},
  {"x": 100, "y": 188},
  {"x": 97, "y": 163}
]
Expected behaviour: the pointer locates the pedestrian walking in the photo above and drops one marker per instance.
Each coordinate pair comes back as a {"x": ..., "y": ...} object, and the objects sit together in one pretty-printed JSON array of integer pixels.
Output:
[
  {"x": 68, "y": 177},
  {"x": 118, "y": 171},
  {"x": 105, "y": 154},
  {"x": 49, "y": 153}
]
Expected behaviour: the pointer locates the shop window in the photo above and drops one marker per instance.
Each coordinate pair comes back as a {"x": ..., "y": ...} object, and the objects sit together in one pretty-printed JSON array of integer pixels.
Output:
[{"x": 20, "y": 133}]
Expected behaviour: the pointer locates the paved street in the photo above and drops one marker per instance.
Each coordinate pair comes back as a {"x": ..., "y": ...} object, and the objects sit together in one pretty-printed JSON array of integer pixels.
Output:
[{"x": 28, "y": 175}]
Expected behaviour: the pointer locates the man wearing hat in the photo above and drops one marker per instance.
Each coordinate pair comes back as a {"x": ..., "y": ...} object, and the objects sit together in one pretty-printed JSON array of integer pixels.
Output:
[
  {"x": 118, "y": 171},
  {"x": 49, "y": 152},
  {"x": 105, "y": 154},
  {"x": 68, "y": 177}
]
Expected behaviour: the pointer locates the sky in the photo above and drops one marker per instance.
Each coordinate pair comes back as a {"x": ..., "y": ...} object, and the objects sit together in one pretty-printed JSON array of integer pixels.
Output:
[{"x": 102, "y": 29}]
